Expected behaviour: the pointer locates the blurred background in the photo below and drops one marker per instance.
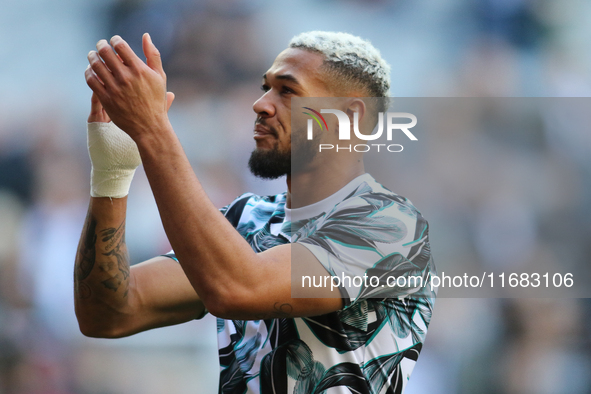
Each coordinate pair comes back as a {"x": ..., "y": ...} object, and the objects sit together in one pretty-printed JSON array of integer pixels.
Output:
[{"x": 214, "y": 53}]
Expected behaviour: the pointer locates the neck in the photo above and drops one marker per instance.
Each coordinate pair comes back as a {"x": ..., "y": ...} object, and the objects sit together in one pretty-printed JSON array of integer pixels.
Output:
[{"x": 322, "y": 180}]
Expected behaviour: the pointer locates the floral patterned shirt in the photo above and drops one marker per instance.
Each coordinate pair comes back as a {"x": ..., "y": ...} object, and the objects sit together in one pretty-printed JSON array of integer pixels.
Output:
[{"x": 369, "y": 346}]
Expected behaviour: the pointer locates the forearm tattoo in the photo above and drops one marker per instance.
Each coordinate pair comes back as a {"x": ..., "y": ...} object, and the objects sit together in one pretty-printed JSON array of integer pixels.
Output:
[
  {"x": 115, "y": 247},
  {"x": 280, "y": 310},
  {"x": 86, "y": 250},
  {"x": 114, "y": 265}
]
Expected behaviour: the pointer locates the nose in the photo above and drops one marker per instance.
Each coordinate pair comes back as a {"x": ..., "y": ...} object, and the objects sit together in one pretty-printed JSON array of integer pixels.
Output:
[{"x": 264, "y": 106}]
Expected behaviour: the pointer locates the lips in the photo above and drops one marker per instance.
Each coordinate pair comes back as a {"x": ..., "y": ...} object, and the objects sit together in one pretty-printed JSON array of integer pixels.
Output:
[{"x": 261, "y": 131}]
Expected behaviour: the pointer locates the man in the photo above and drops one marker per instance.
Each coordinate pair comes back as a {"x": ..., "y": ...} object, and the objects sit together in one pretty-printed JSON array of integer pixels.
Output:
[{"x": 236, "y": 263}]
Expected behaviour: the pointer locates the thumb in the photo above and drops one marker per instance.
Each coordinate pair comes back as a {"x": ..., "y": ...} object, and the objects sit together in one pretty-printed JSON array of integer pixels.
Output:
[
  {"x": 97, "y": 113},
  {"x": 169, "y": 99},
  {"x": 153, "y": 58}
]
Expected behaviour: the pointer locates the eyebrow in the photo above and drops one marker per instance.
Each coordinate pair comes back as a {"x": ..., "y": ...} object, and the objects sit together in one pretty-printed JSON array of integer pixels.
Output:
[{"x": 287, "y": 77}]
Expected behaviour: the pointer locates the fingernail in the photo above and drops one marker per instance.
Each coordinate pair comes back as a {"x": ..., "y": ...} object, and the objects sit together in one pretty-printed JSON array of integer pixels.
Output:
[{"x": 115, "y": 38}]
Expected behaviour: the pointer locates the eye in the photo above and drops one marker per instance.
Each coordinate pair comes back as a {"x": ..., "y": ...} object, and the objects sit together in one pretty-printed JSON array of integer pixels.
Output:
[
  {"x": 265, "y": 88},
  {"x": 287, "y": 90}
]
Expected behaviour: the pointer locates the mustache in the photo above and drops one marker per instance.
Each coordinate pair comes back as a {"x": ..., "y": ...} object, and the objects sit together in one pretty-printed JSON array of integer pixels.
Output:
[{"x": 262, "y": 122}]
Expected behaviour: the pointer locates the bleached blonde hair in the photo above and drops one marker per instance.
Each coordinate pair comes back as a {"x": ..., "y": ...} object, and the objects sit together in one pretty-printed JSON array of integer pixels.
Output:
[{"x": 355, "y": 62}]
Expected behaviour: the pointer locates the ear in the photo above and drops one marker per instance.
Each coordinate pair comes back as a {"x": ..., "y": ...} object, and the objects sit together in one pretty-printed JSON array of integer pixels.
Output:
[{"x": 356, "y": 105}]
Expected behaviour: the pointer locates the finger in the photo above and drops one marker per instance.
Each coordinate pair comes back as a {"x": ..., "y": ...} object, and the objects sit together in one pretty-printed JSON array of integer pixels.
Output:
[
  {"x": 109, "y": 57},
  {"x": 100, "y": 69},
  {"x": 95, "y": 104},
  {"x": 97, "y": 113},
  {"x": 152, "y": 53},
  {"x": 169, "y": 99},
  {"x": 124, "y": 51},
  {"x": 93, "y": 82}
]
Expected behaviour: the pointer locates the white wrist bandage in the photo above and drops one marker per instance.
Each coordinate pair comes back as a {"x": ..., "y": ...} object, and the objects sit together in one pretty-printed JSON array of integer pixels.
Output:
[{"x": 114, "y": 157}]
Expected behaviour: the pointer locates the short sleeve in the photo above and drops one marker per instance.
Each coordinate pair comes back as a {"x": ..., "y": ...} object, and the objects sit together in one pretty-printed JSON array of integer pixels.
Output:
[
  {"x": 373, "y": 243},
  {"x": 171, "y": 255}
]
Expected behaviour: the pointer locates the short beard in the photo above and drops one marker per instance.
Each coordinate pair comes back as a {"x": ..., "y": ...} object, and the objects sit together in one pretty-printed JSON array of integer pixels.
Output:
[
  {"x": 273, "y": 163},
  {"x": 270, "y": 163}
]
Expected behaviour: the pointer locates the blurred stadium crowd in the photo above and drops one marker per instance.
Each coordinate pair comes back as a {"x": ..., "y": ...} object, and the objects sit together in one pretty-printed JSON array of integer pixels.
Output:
[{"x": 214, "y": 53}]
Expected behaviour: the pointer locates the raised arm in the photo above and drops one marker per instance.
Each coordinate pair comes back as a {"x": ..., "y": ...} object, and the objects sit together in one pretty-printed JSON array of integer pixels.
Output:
[
  {"x": 113, "y": 299},
  {"x": 233, "y": 281}
]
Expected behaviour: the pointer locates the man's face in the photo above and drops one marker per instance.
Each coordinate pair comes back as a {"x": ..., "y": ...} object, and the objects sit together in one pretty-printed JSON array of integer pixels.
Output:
[{"x": 294, "y": 73}]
